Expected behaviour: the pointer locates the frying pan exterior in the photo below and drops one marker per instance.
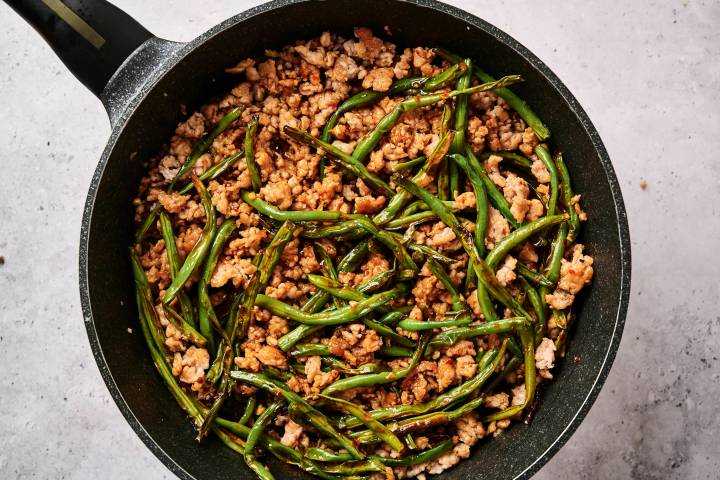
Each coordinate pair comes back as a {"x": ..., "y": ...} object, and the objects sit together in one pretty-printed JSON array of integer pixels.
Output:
[{"x": 143, "y": 99}]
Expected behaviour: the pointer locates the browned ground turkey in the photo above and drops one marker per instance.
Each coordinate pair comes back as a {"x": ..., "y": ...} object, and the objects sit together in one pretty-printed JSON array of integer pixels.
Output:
[{"x": 301, "y": 86}]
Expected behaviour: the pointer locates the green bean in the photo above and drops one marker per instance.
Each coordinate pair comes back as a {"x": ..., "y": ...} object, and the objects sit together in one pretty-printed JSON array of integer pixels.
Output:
[
  {"x": 423, "y": 177},
  {"x": 376, "y": 427},
  {"x": 445, "y": 190},
  {"x": 394, "y": 351},
  {"x": 518, "y": 104},
  {"x": 249, "y": 410},
  {"x": 259, "y": 425},
  {"x": 494, "y": 195},
  {"x": 333, "y": 363},
  {"x": 287, "y": 341},
  {"x": 378, "y": 281},
  {"x": 409, "y": 164},
  {"x": 388, "y": 333},
  {"x": 557, "y": 252},
  {"x": 334, "y": 317},
  {"x": 252, "y": 167},
  {"x": 535, "y": 277},
  {"x": 322, "y": 455},
  {"x": 483, "y": 271},
  {"x": 326, "y": 262},
  {"x": 337, "y": 289},
  {"x": 430, "y": 253},
  {"x": 447, "y": 338},
  {"x": 208, "y": 318},
  {"x": 260, "y": 278},
  {"x": 329, "y": 268},
  {"x": 415, "y": 218},
  {"x": 342, "y": 367},
  {"x": 198, "y": 252},
  {"x": 148, "y": 315},
  {"x": 377, "y": 378},
  {"x": 418, "y": 458},
  {"x": 414, "y": 207},
  {"x": 147, "y": 223},
  {"x": 515, "y": 159},
  {"x": 513, "y": 239},
  {"x": 567, "y": 196},
  {"x": 472, "y": 167},
  {"x": 392, "y": 318},
  {"x": 536, "y": 300},
  {"x": 365, "y": 224},
  {"x": 204, "y": 144},
  {"x": 552, "y": 269},
  {"x": 186, "y": 306},
  {"x": 470, "y": 279},
  {"x": 346, "y": 161},
  {"x": 215, "y": 171},
  {"x": 424, "y": 249},
  {"x": 291, "y": 215},
  {"x": 310, "y": 349},
  {"x": 486, "y": 367},
  {"x": 368, "y": 142},
  {"x": 260, "y": 470},
  {"x": 354, "y": 257},
  {"x": 413, "y": 325},
  {"x": 443, "y": 181},
  {"x": 223, "y": 392},
  {"x": 546, "y": 159},
  {"x": 316, "y": 419},
  {"x": 444, "y": 78},
  {"x": 461, "y": 119},
  {"x": 454, "y": 178},
  {"x": 462, "y": 109},
  {"x": 355, "y": 468}
]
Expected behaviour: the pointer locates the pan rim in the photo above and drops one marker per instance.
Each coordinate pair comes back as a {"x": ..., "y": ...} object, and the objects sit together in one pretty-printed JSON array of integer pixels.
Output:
[{"x": 535, "y": 62}]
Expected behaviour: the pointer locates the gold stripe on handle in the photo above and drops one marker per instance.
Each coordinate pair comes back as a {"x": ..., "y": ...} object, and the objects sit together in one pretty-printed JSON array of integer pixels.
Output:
[{"x": 75, "y": 22}]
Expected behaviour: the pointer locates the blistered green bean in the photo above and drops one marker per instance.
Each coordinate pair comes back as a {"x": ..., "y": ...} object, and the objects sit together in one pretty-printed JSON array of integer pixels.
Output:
[
  {"x": 252, "y": 166},
  {"x": 204, "y": 144},
  {"x": 197, "y": 254}
]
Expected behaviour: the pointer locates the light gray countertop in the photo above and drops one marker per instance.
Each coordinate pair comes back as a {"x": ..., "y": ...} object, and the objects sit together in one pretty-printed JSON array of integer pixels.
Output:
[{"x": 647, "y": 74}]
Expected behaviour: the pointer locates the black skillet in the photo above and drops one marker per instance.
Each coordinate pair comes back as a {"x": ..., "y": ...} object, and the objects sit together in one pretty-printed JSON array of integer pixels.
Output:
[{"x": 142, "y": 81}]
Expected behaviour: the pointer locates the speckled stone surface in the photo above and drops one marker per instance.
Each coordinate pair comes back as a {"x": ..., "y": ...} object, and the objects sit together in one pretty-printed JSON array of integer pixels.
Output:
[{"x": 646, "y": 73}]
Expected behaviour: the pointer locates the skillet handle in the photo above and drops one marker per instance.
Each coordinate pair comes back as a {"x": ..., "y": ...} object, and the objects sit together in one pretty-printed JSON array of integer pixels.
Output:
[{"x": 92, "y": 37}]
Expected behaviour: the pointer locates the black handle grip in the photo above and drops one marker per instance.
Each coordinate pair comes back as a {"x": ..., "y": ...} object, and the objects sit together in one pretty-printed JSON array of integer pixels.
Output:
[{"x": 92, "y": 37}]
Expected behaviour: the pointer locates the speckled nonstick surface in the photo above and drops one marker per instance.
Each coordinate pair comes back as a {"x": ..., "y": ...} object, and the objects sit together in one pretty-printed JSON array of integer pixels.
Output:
[{"x": 143, "y": 98}]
